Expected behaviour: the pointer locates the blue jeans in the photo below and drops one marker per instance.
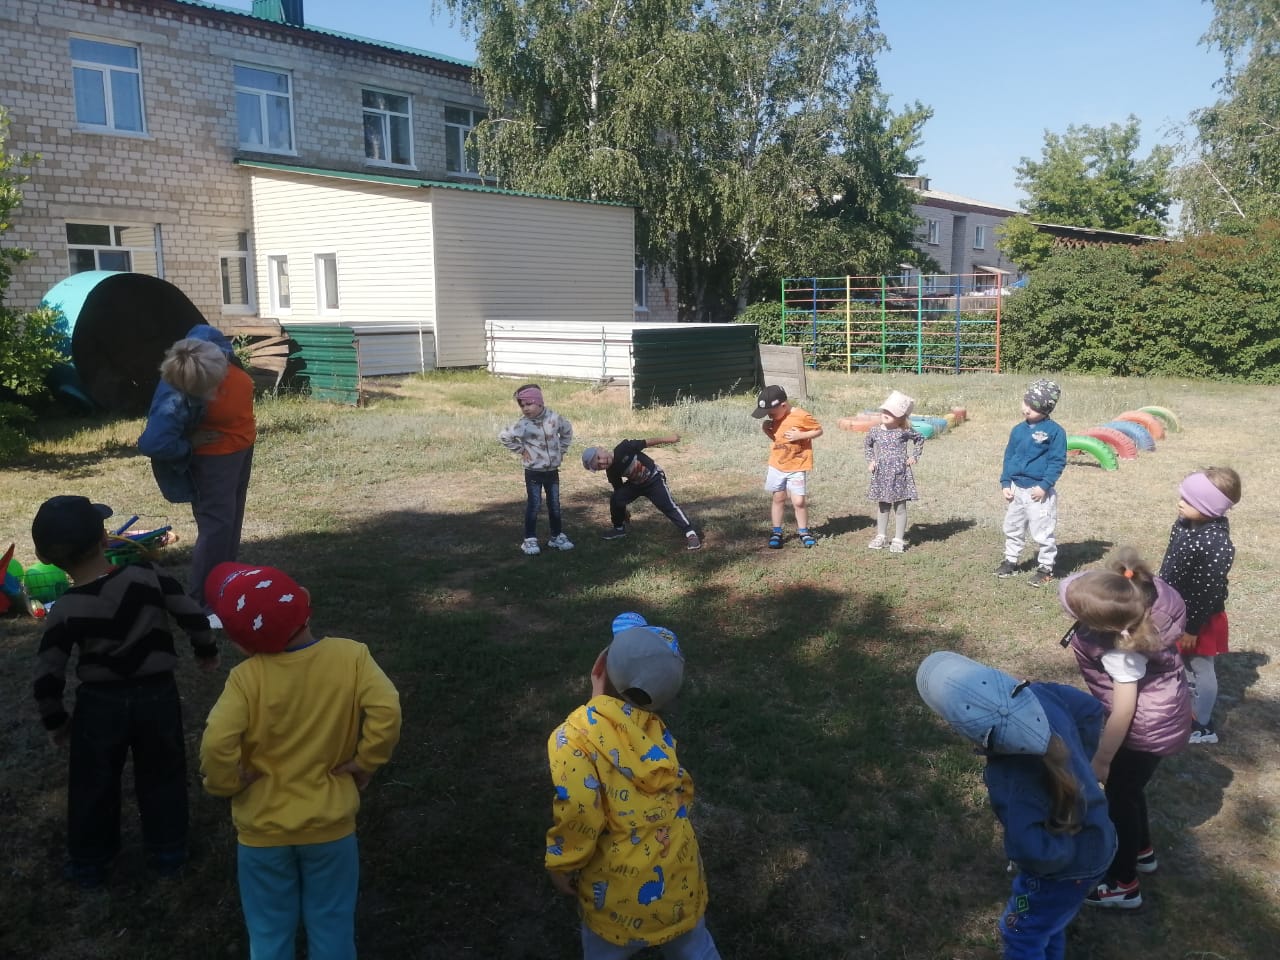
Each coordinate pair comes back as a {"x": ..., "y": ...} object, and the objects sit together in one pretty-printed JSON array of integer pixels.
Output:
[
  {"x": 1034, "y": 923},
  {"x": 314, "y": 882},
  {"x": 694, "y": 945},
  {"x": 112, "y": 720},
  {"x": 535, "y": 482}
]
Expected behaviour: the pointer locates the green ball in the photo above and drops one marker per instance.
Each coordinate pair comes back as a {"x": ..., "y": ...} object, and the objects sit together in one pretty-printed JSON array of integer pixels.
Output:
[{"x": 45, "y": 582}]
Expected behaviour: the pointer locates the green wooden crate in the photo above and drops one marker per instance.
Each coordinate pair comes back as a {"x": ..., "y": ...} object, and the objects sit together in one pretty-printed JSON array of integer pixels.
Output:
[{"x": 325, "y": 363}]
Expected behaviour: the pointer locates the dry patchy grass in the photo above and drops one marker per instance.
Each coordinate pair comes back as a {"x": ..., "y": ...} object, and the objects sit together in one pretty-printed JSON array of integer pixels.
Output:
[{"x": 838, "y": 819}]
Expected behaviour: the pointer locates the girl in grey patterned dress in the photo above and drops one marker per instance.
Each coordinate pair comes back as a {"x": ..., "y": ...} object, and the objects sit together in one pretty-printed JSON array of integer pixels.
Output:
[{"x": 892, "y": 449}]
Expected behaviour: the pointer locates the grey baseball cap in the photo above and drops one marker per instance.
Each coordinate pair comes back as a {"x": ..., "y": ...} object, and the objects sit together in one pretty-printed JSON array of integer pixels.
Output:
[
  {"x": 983, "y": 704},
  {"x": 645, "y": 663}
]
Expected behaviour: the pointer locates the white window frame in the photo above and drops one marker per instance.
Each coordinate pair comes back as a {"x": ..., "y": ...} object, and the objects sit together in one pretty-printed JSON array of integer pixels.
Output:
[
  {"x": 980, "y": 237},
  {"x": 114, "y": 246},
  {"x": 245, "y": 255},
  {"x": 933, "y": 232},
  {"x": 385, "y": 118},
  {"x": 323, "y": 290},
  {"x": 262, "y": 94},
  {"x": 274, "y": 261},
  {"x": 642, "y": 287},
  {"x": 108, "y": 74},
  {"x": 459, "y": 133}
]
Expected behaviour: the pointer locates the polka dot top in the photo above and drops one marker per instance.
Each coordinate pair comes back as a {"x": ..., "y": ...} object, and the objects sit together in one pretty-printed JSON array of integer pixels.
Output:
[{"x": 1196, "y": 564}]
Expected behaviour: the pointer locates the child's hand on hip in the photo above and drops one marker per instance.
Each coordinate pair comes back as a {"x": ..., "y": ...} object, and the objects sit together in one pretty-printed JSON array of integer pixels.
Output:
[
  {"x": 1008, "y": 494},
  {"x": 1037, "y": 494},
  {"x": 359, "y": 775},
  {"x": 871, "y": 467},
  {"x": 566, "y": 883}
]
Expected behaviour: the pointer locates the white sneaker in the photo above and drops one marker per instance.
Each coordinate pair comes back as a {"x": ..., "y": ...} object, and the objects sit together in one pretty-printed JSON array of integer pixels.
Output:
[
  {"x": 560, "y": 542},
  {"x": 530, "y": 546}
]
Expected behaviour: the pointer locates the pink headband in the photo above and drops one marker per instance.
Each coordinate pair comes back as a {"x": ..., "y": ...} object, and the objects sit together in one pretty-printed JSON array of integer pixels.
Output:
[
  {"x": 1200, "y": 494},
  {"x": 530, "y": 393}
]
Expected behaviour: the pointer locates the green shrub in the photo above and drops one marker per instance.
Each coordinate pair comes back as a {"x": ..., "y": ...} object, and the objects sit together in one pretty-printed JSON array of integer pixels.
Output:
[
  {"x": 1208, "y": 308},
  {"x": 767, "y": 315}
]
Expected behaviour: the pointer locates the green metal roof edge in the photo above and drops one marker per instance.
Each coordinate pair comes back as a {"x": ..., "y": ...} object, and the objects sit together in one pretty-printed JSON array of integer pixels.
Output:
[
  {"x": 415, "y": 182},
  {"x": 399, "y": 48}
]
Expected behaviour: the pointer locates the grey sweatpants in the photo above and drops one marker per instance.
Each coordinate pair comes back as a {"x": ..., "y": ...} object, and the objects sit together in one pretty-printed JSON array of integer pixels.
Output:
[{"x": 1025, "y": 516}]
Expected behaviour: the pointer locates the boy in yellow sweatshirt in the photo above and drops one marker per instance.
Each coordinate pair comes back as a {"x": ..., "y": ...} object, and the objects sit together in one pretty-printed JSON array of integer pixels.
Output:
[
  {"x": 299, "y": 730},
  {"x": 622, "y": 841}
]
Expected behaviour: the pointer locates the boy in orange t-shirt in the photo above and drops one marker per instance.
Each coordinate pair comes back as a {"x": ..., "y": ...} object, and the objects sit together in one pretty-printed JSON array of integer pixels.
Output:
[{"x": 792, "y": 431}]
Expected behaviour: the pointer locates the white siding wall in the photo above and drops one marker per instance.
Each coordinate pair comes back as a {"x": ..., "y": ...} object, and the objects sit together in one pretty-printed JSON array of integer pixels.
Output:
[
  {"x": 380, "y": 233},
  {"x": 511, "y": 258}
]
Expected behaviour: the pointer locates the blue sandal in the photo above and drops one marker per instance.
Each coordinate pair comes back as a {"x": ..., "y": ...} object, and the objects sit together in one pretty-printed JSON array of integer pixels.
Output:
[
  {"x": 775, "y": 541},
  {"x": 807, "y": 539}
]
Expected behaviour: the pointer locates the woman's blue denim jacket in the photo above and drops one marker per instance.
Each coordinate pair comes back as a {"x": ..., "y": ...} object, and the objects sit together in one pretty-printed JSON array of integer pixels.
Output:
[{"x": 170, "y": 421}]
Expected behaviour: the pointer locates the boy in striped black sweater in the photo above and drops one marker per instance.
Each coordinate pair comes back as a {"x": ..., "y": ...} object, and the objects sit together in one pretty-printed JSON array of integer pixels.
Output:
[{"x": 127, "y": 700}]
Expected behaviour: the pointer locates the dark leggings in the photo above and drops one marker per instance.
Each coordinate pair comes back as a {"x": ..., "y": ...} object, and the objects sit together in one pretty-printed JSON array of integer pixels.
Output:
[
  {"x": 1127, "y": 804},
  {"x": 535, "y": 482},
  {"x": 658, "y": 493}
]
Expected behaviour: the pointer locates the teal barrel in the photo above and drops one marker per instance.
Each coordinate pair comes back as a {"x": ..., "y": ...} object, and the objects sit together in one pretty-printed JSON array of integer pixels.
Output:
[{"x": 120, "y": 325}]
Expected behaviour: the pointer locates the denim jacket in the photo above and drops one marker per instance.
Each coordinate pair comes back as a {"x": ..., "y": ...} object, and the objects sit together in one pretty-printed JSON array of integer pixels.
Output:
[{"x": 170, "y": 422}]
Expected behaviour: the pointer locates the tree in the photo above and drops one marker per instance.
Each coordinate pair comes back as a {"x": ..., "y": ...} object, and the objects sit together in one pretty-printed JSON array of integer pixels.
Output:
[
  {"x": 1090, "y": 177},
  {"x": 30, "y": 343},
  {"x": 1232, "y": 177},
  {"x": 752, "y": 137}
]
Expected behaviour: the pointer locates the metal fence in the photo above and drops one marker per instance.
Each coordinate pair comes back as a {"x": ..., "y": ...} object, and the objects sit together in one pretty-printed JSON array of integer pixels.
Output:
[{"x": 943, "y": 323}]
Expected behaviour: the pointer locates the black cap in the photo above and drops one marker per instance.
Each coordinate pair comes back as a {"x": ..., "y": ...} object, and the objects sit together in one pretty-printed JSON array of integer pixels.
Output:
[
  {"x": 67, "y": 527},
  {"x": 769, "y": 398}
]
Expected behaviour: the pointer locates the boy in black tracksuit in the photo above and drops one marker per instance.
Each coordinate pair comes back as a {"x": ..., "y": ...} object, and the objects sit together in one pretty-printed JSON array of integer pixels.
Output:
[{"x": 633, "y": 475}]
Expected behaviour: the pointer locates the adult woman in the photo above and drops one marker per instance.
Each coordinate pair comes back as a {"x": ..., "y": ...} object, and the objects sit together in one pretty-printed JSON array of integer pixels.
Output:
[{"x": 199, "y": 435}]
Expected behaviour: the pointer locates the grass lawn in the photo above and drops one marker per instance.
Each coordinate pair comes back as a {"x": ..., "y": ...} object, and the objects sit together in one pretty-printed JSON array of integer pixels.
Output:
[{"x": 837, "y": 817}]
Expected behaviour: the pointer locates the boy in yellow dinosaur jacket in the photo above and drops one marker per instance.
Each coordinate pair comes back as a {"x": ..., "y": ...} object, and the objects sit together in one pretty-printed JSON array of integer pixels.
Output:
[{"x": 622, "y": 842}]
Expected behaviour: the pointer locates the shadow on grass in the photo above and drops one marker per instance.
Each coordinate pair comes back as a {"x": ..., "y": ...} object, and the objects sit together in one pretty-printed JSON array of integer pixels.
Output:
[
  {"x": 825, "y": 788},
  {"x": 836, "y": 526},
  {"x": 1074, "y": 556},
  {"x": 938, "y": 532}
]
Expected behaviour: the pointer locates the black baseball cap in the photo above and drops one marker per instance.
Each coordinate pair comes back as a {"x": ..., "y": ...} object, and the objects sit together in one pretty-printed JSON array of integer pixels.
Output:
[
  {"x": 769, "y": 398},
  {"x": 67, "y": 527}
]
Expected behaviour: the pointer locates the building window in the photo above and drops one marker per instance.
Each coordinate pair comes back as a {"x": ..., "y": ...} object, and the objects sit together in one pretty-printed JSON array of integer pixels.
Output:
[
  {"x": 264, "y": 109},
  {"x": 388, "y": 128},
  {"x": 108, "y": 85},
  {"x": 932, "y": 229},
  {"x": 327, "y": 282},
  {"x": 980, "y": 237},
  {"x": 278, "y": 279},
  {"x": 460, "y": 156},
  {"x": 234, "y": 264},
  {"x": 642, "y": 286},
  {"x": 99, "y": 246}
]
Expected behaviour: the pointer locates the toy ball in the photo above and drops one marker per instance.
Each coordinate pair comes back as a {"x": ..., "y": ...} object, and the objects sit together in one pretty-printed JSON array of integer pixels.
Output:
[{"x": 45, "y": 582}]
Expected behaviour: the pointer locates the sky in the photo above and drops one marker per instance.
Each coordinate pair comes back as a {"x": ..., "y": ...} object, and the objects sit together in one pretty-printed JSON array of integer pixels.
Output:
[{"x": 997, "y": 74}]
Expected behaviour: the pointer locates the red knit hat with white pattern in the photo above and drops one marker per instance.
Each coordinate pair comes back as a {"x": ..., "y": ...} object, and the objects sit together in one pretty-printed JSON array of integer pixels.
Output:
[{"x": 261, "y": 608}]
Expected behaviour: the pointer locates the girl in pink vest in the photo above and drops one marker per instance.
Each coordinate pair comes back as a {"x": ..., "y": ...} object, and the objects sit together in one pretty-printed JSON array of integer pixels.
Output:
[{"x": 1128, "y": 624}]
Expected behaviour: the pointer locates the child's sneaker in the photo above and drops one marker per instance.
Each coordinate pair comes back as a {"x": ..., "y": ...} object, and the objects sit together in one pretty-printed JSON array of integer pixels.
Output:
[
  {"x": 877, "y": 542},
  {"x": 1042, "y": 576},
  {"x": 1203, "y": 734},
  {"x": 560, "y": 542},
  {"x": 530, "y": 546},
  {"x": 1117, "y": 896},
  {"x": 1006, "y": 569},
  {"x": 614, "y": 533},
  {"x": 1147, "y": 862},
  {"x": 898, "y": 546},
  {"x": 691, "y": 541}
]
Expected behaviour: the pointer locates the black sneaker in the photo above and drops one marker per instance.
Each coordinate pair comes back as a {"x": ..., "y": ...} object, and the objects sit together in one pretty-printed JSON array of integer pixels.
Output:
[
  {"x": 691, "y": 541},
  {"x": 1006, "y": 570},
  {"x": 617, "y": 533},
  {"x": 1042, "y": 576}
]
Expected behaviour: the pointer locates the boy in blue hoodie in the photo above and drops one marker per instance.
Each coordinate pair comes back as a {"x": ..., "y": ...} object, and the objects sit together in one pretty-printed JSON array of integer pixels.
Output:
[
  {"x": 1034, "y": 459},
  {"x": 1038, "y": 739}
]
